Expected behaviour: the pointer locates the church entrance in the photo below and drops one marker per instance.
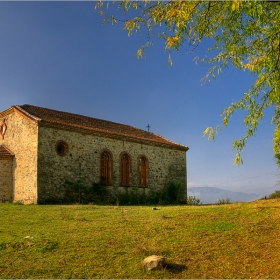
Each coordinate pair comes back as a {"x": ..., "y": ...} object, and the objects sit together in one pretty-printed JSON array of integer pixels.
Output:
[{"x": 6, "y": 175}]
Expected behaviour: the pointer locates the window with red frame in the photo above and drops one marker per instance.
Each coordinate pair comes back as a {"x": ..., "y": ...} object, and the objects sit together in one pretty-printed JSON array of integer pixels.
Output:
[
  {"x": 105, "y": 168},
  {"x": 125, "y": 170},
  {"x": 142, "y": 172}
]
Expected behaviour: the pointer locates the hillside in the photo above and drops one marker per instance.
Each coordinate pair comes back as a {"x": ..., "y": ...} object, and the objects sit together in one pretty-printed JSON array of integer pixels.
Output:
[{"x": 238, "y": 240}]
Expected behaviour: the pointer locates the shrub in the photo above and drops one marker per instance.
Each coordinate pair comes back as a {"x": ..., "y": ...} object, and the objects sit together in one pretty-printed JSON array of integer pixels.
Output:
[
  {"x": 170, "y": 194},
  {"x": 276, "y": 194},
  {"x": 192, "y": 200},
  {"x": 80, "y": 191},
  {"x": 224, "y": 201},
  {"x": 98, "y": 191},
  {"x": 130, "y": 197}
]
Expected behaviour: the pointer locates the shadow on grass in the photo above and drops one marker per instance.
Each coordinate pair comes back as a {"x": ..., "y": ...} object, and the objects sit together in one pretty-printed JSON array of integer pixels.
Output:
[{"x": 175, "y": 268}]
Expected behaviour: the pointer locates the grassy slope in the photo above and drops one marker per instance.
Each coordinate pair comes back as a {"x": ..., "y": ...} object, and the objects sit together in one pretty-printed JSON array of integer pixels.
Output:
[{"x": 88, "y": 241}]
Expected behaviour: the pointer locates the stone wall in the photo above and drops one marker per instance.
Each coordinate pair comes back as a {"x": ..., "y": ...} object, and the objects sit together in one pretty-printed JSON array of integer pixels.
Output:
[
  {"x": 21, "y": 138},
  {"x": 83, "y": 160},
  {"x": 6, "y": 179}
]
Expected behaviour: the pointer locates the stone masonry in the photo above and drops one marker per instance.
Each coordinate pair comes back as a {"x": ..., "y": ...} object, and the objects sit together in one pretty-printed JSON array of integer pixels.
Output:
[
  {"x": 21, "y": 138},
  {"x": 37, "y": 172},
  {"x": 83, "y": 157}
]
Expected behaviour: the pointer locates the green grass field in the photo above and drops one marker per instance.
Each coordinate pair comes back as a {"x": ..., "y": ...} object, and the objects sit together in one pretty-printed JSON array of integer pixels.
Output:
[{"x": 240, "y": 240}]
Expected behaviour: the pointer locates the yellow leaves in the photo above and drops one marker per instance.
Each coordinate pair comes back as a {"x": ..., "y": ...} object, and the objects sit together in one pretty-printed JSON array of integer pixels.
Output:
[
  {"x": 211, "y": 131},
  {"x": 135, "y": 5},
  {"x": 177, "y": 15},
  {"x": 172, "y": 42},
  {"x": 235, "y": 5},
  {"x": 128, "y": 24},
  {"x": 131, "y": 25},
  {"x": 238, "y": 160},
  {"x": 171, "y": 13},
  {"x": 249, "y": 66},
  {"x": 253, "y": 64},
  {"x": 180, "y": 13},
  {"x": 206, "y": 131},
  {"x": 99, "y": 4},
  {"x": 139, "y": 53}
]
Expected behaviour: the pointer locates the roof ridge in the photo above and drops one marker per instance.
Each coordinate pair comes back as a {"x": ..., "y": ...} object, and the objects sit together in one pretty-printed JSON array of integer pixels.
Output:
[
  {"x": 25, "y": 112},
  {"x": 84, "y": 116},
  {"x": 18, "y": 107}
]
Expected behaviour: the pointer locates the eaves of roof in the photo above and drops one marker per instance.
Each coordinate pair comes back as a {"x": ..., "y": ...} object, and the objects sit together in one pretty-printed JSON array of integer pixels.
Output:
[{"x": 5, "y": 153}]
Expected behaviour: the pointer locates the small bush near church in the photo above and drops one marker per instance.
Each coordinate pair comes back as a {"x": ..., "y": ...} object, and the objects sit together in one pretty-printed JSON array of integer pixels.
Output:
[
  {"x": 192, "y": 200},
  {"x": 170, "y": 194},
  {"x": 80, "y": 191}
]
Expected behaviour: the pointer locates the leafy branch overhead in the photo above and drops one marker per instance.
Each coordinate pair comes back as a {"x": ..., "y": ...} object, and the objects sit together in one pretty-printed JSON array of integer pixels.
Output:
[{"x": 245, "y": 34}]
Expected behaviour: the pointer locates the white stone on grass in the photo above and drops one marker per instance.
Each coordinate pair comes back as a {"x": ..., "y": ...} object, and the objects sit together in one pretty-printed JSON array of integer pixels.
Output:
[
  {"x": 154, "y": 262},
  {"x": 28, "y": 237}
]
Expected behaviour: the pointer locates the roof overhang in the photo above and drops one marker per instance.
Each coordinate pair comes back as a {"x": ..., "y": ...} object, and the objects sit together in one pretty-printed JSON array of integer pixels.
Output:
[{"x": 5, "y": 153}]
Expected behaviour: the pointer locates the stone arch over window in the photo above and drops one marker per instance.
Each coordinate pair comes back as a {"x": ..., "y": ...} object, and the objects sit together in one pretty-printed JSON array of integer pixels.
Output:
[
  {"x": 125, "y": 169},
  {"x": 142, "y": 171},
  {"x": 106, "y": 168}
]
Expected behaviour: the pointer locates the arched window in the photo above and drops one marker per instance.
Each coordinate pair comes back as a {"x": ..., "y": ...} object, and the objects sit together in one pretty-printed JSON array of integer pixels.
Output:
[
  {"x": 125, "y": 170},
  {"x": 105, "y": 168},
  {"x": 142, "y": 171}
]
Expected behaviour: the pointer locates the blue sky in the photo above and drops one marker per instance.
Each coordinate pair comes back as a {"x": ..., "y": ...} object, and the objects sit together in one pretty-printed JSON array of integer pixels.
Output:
[{"x": 58, "y": 55}]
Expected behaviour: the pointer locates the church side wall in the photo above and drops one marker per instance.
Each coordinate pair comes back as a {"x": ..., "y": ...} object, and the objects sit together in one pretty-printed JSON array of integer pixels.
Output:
[
  {"x": 21, "y": 138},
  {"x": 83, "y": 160}
]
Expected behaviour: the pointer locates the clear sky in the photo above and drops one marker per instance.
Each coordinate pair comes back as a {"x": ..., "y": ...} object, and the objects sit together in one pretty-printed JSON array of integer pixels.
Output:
[{"x": 58, "y": 55}]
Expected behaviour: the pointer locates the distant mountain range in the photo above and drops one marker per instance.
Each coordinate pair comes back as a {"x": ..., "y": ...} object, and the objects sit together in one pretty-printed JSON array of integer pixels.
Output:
[{"x": 208, "y": 195}]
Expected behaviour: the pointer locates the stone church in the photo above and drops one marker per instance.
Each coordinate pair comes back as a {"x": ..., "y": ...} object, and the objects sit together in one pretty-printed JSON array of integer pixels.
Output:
[{"x": 42, "y": 148}]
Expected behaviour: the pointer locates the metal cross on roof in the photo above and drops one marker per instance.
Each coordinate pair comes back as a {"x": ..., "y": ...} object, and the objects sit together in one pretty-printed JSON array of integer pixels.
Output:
[{"x": 148, "y": 126}]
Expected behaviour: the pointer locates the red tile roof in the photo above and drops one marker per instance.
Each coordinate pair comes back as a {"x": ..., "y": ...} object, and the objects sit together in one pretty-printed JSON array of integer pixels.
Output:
[
  {"x": 69, "y": 121},
  {"x": 5, "y": 152}
]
